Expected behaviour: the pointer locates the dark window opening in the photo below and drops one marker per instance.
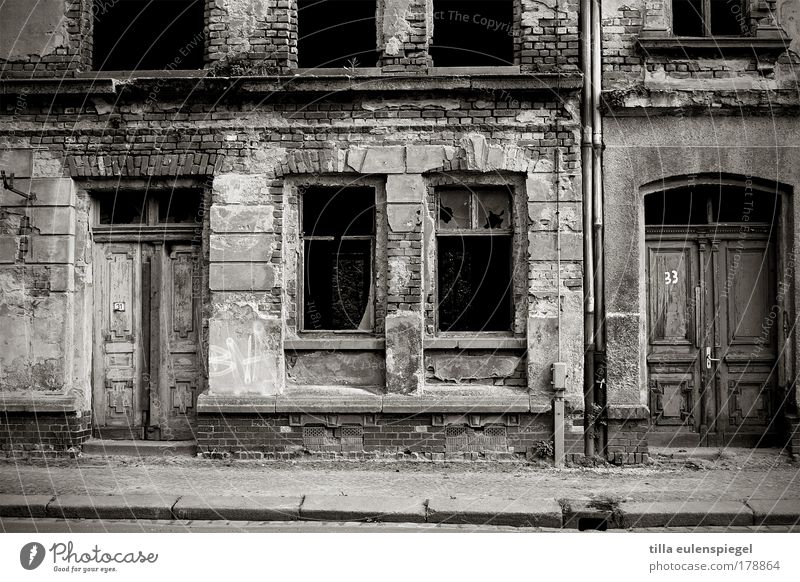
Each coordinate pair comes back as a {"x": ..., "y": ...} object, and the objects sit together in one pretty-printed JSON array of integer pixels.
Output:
[
  {"x": 148, "y": 35},
  {"x": 124, "y": 207},
  {"x": 336, "y": 33},
  {"x": 472, "y": 34},
  {"x": 675, "y": 208},
  {"x": 338, "y": 226},
  {"x": 474, "y": 283},
  {"x": 474, "y": 259},
  {"x": 179, "y": 207},
  {"x": 708, "y": 204},
  {"x": 709, "y": 18}
]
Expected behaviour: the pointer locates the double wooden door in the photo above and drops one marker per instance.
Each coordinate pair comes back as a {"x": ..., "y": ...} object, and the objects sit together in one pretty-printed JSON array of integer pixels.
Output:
[
  {"x": 146, "y": 371},
  {"x": 712, "y": 325}
]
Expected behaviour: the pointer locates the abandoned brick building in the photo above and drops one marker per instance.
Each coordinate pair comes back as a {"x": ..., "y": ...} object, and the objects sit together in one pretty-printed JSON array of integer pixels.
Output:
[{"x": 449, "y": 228}]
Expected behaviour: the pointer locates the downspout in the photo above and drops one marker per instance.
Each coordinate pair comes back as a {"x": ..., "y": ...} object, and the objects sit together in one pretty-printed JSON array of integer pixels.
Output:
[
  {"x": 598, "y": 211},
  {"x": 587, "y": 191}
]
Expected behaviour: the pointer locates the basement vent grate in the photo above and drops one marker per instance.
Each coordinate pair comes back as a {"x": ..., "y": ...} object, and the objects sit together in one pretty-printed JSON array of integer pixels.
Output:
[{"x": 464, "y": 439}]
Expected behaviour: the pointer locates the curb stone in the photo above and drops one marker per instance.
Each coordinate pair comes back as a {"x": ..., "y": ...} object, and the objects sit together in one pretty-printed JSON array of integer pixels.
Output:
[
  {"x": 685, "y": 514},
  {"x": 231, "y": 508},
  {"x": 24, "y": 505},
  {"x": 362, "y": 508},
  {"x": 513, "y": 512},
  {"x": 111, "y": 507},
  {"x": 768, "y": 512}
]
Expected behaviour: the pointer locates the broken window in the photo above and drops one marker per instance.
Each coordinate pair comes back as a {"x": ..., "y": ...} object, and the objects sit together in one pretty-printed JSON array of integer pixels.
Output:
[
  {"x": 709, "y": 18},
  {"x": 474, "y": 259},
  {"x": 143, "y": 207},
  {"x": 131, "y": 35},
  {"x": 336, "y": 33},
  {"x": 338, "y": 232},
  {"x": 472, "y": 34}
]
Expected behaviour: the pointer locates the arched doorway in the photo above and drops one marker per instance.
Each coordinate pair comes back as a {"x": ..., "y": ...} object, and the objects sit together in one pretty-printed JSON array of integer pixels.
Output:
[{"x": 712, "y": 312}]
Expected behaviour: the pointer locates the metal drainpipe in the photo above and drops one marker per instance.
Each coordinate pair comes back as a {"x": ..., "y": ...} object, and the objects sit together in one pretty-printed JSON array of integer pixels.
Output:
[
  {"x": 597, "y": 185},
  {"x": 587, "y": 175}
]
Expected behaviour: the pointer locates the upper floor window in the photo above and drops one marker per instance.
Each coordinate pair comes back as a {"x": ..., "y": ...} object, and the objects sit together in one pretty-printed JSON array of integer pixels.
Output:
[
  {"x": 131, "y": 35},
  {"x": 709, "y": 17},
  {"x": 336, "y": 33},
  {"x": 473, "y": 34},
  {"x": 474, "y": 241}
]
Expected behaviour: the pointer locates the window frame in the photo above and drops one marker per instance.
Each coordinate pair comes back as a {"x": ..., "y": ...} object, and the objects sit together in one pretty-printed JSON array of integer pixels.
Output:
[
  {"x": 706, "y": 20},
  {"x": 301, "y": 261},
  {"x": 510, "y": 233}
]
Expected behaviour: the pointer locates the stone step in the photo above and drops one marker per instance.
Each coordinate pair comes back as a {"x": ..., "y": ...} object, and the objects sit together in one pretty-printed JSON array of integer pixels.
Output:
[{"x": 138, "y": 448}]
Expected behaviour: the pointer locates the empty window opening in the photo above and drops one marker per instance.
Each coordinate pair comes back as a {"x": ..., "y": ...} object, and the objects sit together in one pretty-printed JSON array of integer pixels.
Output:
[
  {"x": 474, "y": 260},
  {"x": 709, "y": 18},
  {"x": 338, "y": 231},
  {"x": 472, "y": 34},
  {"x": 708, "y": 204},
  {"x": 134, "y": 35},
  {"x": 142, "y": 207},
  {"x": 336, "y": 33}
]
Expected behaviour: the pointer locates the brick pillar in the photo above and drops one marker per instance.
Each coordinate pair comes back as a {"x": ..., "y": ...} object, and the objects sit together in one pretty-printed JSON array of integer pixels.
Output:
[
  {"x": 404, "y": 31},
  {"x": 404, "y": 319},
  {"x": 245, "y": 329}
]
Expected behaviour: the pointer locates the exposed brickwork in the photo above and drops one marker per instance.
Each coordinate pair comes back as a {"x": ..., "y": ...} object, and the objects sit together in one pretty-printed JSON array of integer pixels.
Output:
[
  {"x": 24, "y": 434},
  {"x": 253, "y": 435},
  {"x": 627, "y": 442},
  {"x": 549, "y": 35}
]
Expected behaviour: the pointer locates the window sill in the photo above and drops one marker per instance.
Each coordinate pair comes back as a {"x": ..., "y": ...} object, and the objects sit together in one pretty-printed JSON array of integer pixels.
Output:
[
  {"x": 710, "y": 46},
  {"x": 335, "y": 343},
  {"x": 475, "y": 342}
]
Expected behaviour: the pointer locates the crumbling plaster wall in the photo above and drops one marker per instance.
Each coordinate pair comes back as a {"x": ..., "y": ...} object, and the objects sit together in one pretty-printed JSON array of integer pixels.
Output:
[{"x": 44, "y": 289}]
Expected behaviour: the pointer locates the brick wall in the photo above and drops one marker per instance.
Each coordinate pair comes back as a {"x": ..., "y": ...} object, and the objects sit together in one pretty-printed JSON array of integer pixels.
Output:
[
  {"x": 419, "y": 436},
  {"x": 626, "y": 442},
  {"x": 25, "y": 434}
]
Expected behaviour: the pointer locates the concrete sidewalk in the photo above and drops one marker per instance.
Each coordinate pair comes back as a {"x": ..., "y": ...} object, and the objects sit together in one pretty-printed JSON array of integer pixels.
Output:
[{"x": 538, "y": 513}]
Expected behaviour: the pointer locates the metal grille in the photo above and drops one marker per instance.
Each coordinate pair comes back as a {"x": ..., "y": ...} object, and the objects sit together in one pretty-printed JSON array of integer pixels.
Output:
[
  {"x": 352, "y": 438},
  {"x": 465, "y": 439}
]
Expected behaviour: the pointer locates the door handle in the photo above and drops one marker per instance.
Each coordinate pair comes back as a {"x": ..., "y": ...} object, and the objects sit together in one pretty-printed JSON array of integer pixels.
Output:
[{"x": 709, "y": 359}]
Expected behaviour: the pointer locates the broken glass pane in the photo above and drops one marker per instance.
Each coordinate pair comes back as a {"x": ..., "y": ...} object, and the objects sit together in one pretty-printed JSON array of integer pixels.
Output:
[
  {"x": 454, "y": 209},
  {"x": 338, "y": 285},
  {"x": 494, "y": 210}
]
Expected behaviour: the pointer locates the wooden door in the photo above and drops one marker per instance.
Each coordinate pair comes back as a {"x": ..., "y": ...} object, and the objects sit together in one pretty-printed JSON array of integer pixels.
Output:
[
  {"x": 674, "y": 333},
  {"x": 741, "y": 360},
  {"x": 147, "y": 370},
  {"x": 119, "y": 403},
  {"x": 175, "y": 366}
]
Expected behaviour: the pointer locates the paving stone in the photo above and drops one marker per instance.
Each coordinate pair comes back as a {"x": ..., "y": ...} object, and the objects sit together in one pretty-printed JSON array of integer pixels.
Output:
[
  {"x": 362, "y": 508},
  {"x": 770, "y": 512},
  {"x": 24, "y": 505},
  {"x": 112, "y": 507},
  {"x": 237, "y": 508},
  {"x": 516, "y": 512}
]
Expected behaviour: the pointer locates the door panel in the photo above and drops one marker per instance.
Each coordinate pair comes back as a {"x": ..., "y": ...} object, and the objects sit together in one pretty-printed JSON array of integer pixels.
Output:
[
  {"x": 673, "y": 319},
  {"x": 179, "y": 370},
  {"x": 117, "y": 379},
  {"x": 745, "y": 373}
]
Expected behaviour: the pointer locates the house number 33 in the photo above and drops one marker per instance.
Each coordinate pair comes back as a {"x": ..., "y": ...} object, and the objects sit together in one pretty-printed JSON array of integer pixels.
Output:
[{"x": 670, "y": 277}]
